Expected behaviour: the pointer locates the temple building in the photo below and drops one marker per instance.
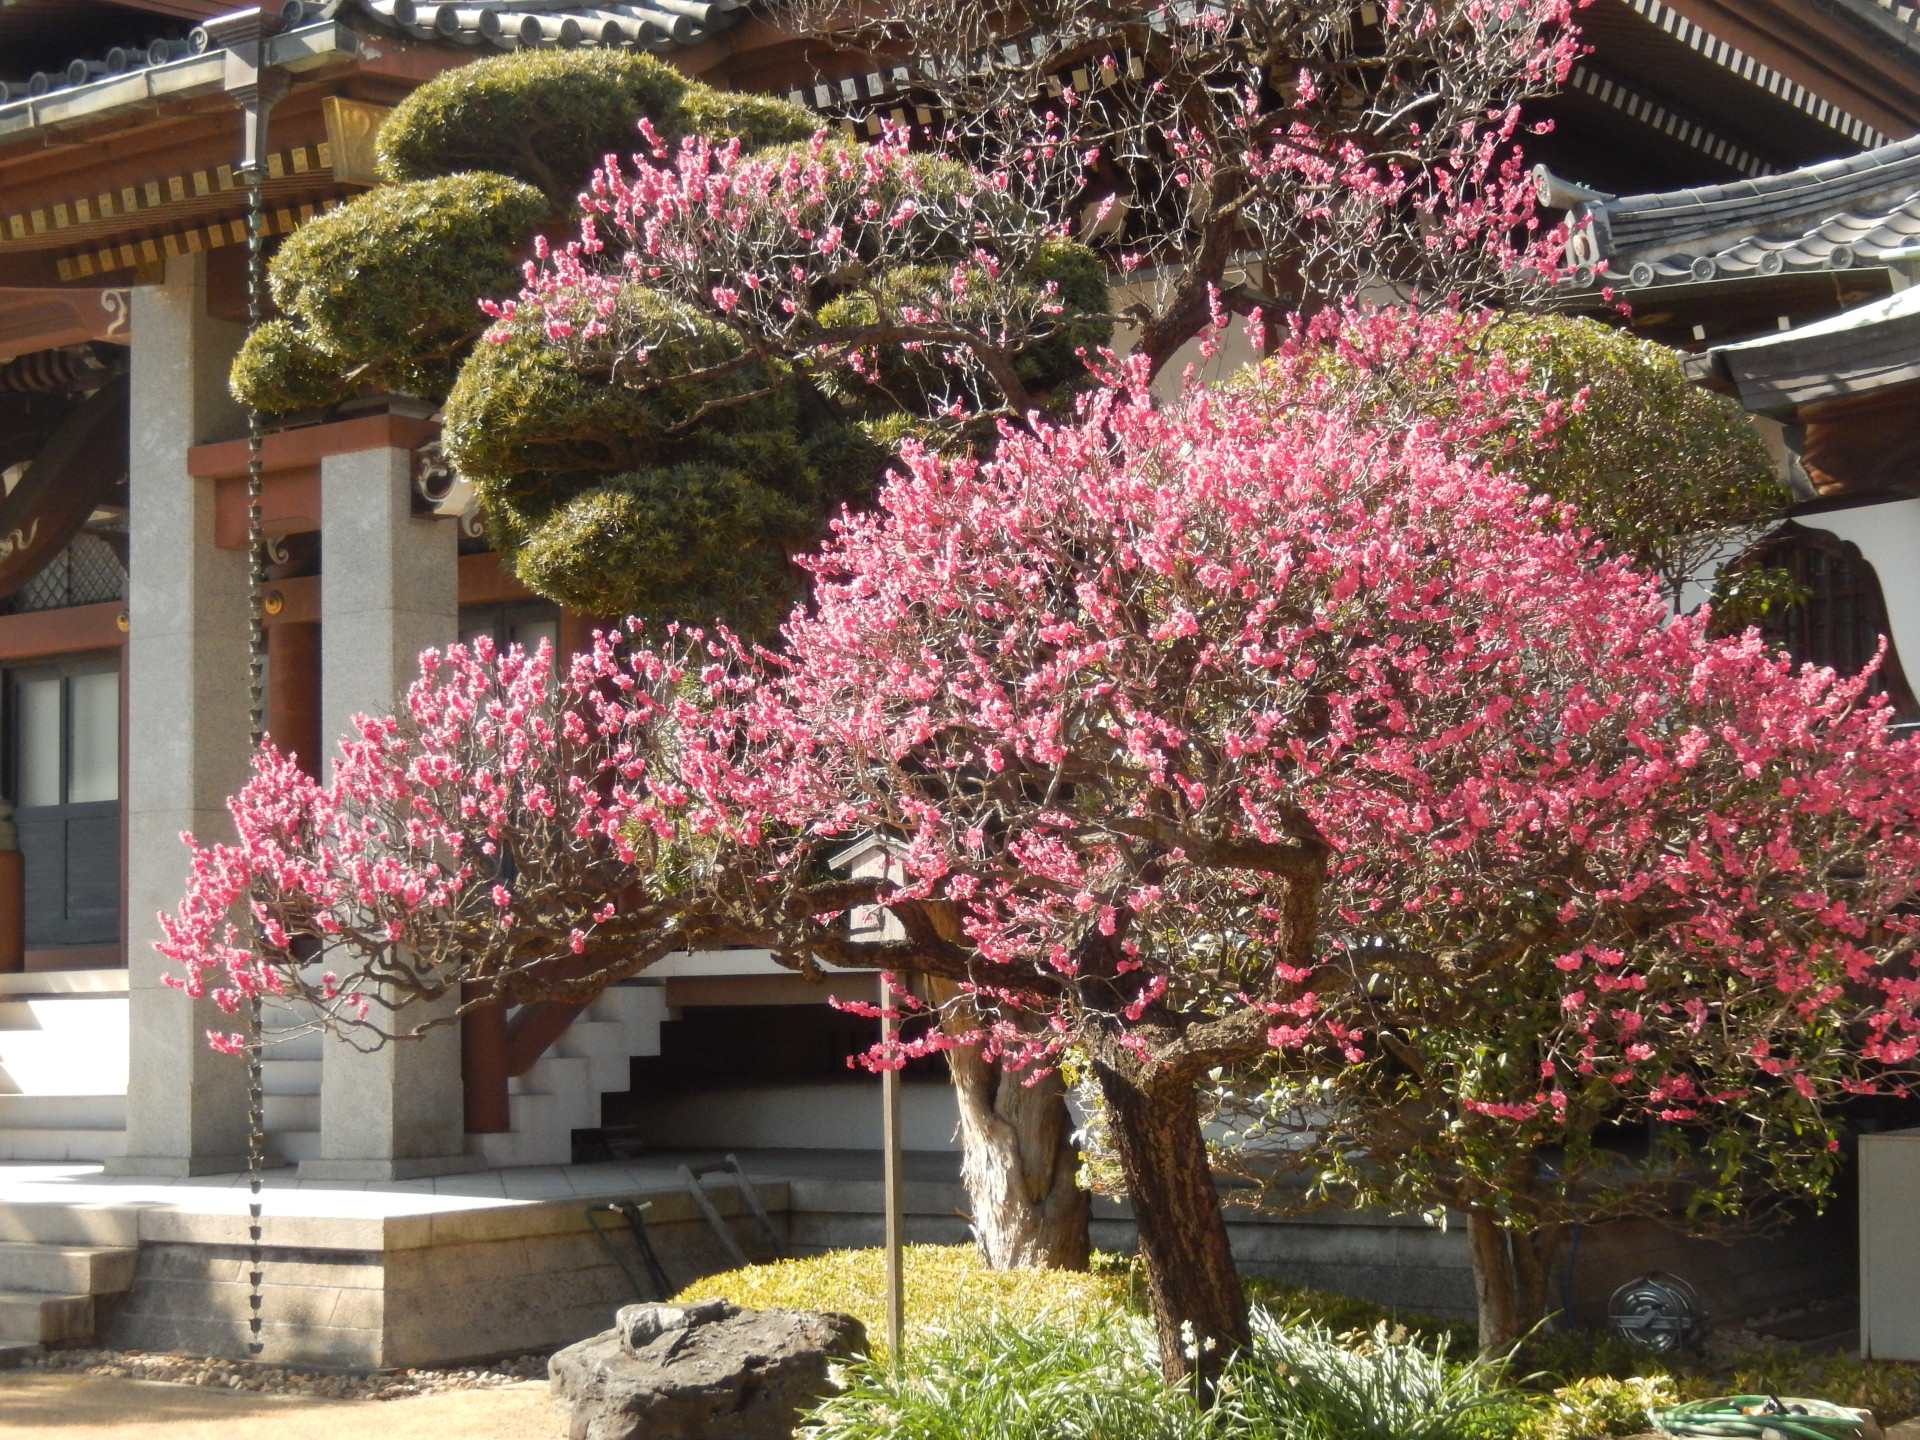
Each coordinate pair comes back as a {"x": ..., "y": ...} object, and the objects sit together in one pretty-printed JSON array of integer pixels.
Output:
[{"x": 124, "y": 603}]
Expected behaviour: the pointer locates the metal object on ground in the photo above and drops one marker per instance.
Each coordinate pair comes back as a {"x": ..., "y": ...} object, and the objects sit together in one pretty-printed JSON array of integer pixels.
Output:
[
  {"x": 632, "y": 1211},
  {"x": 1766, "y": 1417},
  {"x": 1659, "y": 1313},
  {"x": 695, "y": 1174}
]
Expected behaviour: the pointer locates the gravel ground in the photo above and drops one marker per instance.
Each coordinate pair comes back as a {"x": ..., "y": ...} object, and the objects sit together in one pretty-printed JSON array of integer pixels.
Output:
[{"x": 246, "y": 1376}]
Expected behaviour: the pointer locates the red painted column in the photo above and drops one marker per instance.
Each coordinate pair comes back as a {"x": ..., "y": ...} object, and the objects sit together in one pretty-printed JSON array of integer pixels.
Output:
[
  {"x": 293, "y": 690},
  {"x": 483, "y": 1065}
]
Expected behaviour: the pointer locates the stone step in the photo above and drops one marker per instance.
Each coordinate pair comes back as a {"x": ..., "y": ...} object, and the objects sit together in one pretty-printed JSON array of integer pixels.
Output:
[
  {"x": 280, "y": 1076},
  {"x": 293, "y": 1146},
  {"x": 291, "y": 1112},
  {"x": 39, "y": 1267},
  {"x": 107, "y": 1226},
  {"x": 50, "y": 1144},
  {"x": 63, "y": 1112},
  {"x": 45, "y": 1319},
  {"x": 64, "y": 1045}
]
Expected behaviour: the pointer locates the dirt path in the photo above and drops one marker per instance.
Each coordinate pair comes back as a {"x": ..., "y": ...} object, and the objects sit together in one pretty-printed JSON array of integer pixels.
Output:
[{"x": 83, "y": 1406}]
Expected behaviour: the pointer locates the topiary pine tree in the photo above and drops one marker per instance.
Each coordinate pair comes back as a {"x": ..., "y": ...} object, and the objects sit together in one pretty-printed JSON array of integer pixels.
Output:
[{"x": 672, "y": 476}]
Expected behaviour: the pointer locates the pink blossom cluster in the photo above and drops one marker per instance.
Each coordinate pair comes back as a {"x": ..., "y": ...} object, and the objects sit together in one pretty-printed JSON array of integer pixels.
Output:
[
  {"x": 495, "y": 835},
  {"x": 760, "y": 242}
]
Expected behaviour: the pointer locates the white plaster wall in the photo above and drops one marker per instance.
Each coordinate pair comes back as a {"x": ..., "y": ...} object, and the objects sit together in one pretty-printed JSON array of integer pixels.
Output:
[
  {"x": 1889, "y": 539},
  {"x": 1890, "y": 1245}
]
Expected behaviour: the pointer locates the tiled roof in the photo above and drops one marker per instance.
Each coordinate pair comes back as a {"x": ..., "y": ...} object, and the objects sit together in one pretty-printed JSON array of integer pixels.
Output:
[
  {"x": 506, "y": 25},
  {"x": 1868, "y": 348},
  {"x": 492, "y": 24},
  {"x": 1860, "y": 209}
]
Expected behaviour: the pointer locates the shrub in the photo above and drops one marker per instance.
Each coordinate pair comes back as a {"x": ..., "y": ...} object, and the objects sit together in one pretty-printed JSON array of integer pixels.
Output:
[
  {"x": 1600, "y": 1405},
  {"x": 381, "y": 291},
  {"x": 550, "y": 117},
  {"x": 943, "y": 1284}
]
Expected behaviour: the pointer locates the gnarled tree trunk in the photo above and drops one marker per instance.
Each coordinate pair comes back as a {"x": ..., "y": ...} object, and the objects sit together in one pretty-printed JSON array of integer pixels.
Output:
[
  {"x": 1018, "y": 1162},
  {"x": 1017, "y": 1157},
  {"x": 1512, "y": 1274},
  {"x": 1199, "y": 1309}
]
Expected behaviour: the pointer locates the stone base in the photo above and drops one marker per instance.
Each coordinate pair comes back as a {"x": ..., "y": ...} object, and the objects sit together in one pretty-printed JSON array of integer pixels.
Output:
[
  {"x": 431, "y": 1288},
  {"x": 425, "y": 1167},
  {"x": 176, "y": 1167}
]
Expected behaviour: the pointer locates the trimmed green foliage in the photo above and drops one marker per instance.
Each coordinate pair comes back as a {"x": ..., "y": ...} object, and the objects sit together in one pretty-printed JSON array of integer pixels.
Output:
[
  {"x": 942, "y": 1282},
  {"x": 757, "y": 121},
  {"x": 912, "y": 379},
  {"x": 383, "y": 291},
  {"x": 616, "y": 498},
  {"x": 551, "y": 117},
  {"x": 659, "y": 479},
  {"x": 1660, "y": 468},
  {"x": 281, "y": 369}
]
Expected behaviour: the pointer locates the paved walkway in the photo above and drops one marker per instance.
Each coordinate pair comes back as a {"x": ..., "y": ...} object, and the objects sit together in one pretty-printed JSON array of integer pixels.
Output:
[{"x": 79, "y": 1407}]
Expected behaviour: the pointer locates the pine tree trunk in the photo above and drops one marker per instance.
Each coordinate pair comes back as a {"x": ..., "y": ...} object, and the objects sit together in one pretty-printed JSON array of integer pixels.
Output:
[
  {"x": 1019, "y": 1165},
  {"x": 1199, "y": 1309},
  {"x": 1512, "y": 1274}
]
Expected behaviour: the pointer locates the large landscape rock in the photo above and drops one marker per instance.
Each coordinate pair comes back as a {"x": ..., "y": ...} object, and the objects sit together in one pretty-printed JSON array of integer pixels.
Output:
[{"x": 710, "y": 1371}]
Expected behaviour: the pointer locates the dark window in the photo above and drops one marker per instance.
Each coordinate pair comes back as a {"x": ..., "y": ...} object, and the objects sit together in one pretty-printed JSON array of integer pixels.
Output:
[
  {"x": 1842, "y": 616},
  {"x": 63, "y": 751}
]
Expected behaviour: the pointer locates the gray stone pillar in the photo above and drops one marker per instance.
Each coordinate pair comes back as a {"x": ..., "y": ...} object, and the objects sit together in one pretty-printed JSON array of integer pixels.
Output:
[
  {"x": 187, "y": 694},
  {"x": 389, "y": 588}
]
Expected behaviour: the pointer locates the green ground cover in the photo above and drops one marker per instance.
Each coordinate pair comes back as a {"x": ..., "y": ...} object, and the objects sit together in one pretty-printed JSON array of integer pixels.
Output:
[{"x": 1050, "y": 1355}]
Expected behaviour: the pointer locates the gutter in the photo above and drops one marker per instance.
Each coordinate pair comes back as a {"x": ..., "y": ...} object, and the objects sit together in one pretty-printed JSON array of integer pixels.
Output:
[{"x": 308, "y": 48}]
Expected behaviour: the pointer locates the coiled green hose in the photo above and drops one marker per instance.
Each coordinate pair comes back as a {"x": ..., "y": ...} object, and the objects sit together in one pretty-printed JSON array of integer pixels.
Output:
[{"x": 1761, "y": 1417}]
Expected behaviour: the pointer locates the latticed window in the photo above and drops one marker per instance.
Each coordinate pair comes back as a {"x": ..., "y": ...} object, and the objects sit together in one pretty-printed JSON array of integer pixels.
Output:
[
  {"x": 87, "y": 572},
  {"x": 1843, "y": 614}
]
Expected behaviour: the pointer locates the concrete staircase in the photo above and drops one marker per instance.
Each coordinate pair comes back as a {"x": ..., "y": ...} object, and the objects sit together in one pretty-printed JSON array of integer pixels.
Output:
[
  {"x": 58, "y": 1264},
  {"x": 561, "y": 1093},
  {"x": 290, "y": 1094},
  {"x": 63, "y": 1065}
]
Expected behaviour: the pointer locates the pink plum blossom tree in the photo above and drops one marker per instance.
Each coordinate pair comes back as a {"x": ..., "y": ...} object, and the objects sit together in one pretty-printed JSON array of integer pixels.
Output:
[{"x": 1136, "y": 699}]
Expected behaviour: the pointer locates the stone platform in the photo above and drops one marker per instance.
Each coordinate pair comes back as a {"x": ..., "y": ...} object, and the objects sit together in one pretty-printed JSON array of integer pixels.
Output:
[{"x": 432, "y": 1271}]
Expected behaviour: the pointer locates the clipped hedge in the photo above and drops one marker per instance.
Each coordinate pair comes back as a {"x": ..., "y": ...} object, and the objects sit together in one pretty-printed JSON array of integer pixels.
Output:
[
  {"x": 550, "y": 117},
  {"x": 382, "y": 291},
  {"x": 946, "y": 1286}
]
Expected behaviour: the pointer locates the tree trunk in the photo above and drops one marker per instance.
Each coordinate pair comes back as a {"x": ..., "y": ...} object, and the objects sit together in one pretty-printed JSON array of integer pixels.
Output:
[
  {"x": 1512, "y": 1273},
  {"x": 1017, "y": 1157},
  {"x": 1199, "y": 1309},
  {"x": 1019, "y": 1165}
]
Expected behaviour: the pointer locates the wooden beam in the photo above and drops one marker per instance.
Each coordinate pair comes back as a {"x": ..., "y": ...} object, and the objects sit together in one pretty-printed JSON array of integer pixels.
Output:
[{"x": 40, "y": 633}]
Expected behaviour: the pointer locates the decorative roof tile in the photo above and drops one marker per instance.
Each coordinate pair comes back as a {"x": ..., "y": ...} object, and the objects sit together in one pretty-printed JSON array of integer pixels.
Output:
[{"x": 1859, "y": 209}]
